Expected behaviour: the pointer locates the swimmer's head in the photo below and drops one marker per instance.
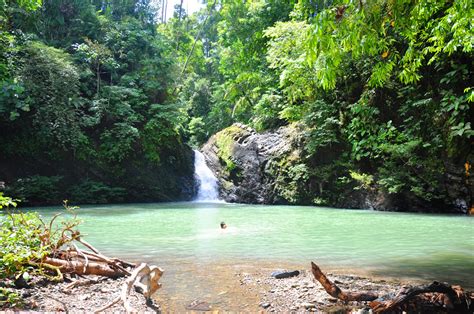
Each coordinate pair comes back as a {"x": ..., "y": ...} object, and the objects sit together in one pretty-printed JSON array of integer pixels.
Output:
[{"x": 223, "y": 225}]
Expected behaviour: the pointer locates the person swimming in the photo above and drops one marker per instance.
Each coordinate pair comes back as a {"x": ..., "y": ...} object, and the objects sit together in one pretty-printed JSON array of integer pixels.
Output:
[{"x": 223, "y": 225}]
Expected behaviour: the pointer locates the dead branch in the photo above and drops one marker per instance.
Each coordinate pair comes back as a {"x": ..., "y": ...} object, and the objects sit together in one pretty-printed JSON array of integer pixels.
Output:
[
  {"x": 115, "y": 301},
  {"x": 77, "y": 283},
  {"x": 452, "y": 298},
  {"x": 336, "y": 292},
  {"x": 414, "y": 299},
  {"x": 87, "y": 245},
  {"x": 83, "y": 256},
  {"x": 114, "y": 263},
  {"x": 145, "y": 279}
]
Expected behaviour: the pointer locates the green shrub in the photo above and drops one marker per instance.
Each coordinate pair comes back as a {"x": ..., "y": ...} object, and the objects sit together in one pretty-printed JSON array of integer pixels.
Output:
[
  {"x": 20, "y": 236},
  {"x": 26, "y": 240},
  {"x": 9, "y": 299},
  {"x": 93, "y": 192},
  {"x": 37, "y": 189}
]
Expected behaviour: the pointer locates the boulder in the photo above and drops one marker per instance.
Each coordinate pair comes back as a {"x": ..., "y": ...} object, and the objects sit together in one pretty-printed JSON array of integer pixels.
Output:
[{"x": 243, "y": 160}]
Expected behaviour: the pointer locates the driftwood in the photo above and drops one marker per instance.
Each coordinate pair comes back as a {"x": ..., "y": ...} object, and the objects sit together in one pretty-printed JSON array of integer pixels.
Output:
[
  {"x": 81, "y": 268},
  {"x": 73, "y": 260},
  {"x": 434, "y": 298},
  {"x": 451, "y": 298},
  {"x": 336, "y": 292},
  {"x": 145, "y": 280}
]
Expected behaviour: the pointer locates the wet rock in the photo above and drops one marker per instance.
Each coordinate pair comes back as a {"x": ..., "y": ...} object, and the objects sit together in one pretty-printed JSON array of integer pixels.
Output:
[
  {"x": 265, "y": 305},
  {"x": 285, "y": 274}
]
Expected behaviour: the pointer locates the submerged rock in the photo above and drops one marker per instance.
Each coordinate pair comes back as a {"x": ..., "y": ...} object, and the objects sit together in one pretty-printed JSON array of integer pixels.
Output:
[{"x": 198, "y": 305}]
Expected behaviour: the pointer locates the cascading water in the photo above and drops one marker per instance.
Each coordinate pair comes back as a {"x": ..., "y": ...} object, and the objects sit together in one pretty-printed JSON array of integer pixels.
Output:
[{"x": 208, "y": 188}]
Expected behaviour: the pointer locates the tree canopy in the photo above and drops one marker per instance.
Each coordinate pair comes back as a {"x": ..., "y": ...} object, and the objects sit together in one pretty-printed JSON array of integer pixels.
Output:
[{"x": 383, "y": 88}]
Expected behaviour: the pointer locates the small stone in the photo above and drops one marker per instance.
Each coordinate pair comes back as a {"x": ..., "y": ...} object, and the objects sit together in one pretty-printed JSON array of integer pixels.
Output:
[
  {"x": 198, "y": 305},
  {"x": 308, "y": 305},
  {"x": 83, "y": 297},
  {"x": 265, "y": 305}
]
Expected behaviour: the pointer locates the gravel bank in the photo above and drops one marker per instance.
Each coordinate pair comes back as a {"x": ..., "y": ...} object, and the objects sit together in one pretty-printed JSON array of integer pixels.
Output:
[
  {"x": 97, "y": 292},
  {"x": 303, "y": 293}
]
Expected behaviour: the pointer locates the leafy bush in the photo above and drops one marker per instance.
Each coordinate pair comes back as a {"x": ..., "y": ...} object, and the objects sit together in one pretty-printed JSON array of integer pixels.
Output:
[
  {"x": 9, "y": 298},
  {"x": 93, "y": 192},
  {"x": 26, "y": 240},
  {"x": 21, "y": 244},
  {"x": 37, "y": 189}
]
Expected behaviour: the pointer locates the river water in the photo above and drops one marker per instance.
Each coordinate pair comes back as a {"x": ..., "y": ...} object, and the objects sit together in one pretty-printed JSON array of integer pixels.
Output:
[{"x": 199, "y": 258}]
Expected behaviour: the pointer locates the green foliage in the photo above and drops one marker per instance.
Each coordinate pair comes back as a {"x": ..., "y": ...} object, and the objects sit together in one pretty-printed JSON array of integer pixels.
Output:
[
  {"x": 6, "y": 201},
  {"x": 225, "y": 142},
  {"x": 291, "y": 179},
  {"x": 21, "y": 244},
  {"x": 93, "y": 192},
  {"x": 48, "y": 103},
  {"x": 375, "y": 29},
  {"x": 197, "y": 131},
  {"x": 86, "y": 91},
  {"x": 382, "y": 88},
  {"x": 365, "y": 180},
  {"x": 27, "y": 240},
  {"x": 37, "y": 189},
  {"x": 9, "y": 298}
]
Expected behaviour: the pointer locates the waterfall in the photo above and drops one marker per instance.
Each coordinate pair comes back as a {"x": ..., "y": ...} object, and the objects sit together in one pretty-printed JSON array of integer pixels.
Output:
[{"x": 207, "y": 181}]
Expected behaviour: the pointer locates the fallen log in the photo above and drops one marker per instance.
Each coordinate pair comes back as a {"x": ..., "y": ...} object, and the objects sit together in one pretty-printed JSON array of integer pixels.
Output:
[
  {"x": 80, "y": 268},
  {"x": 451, "y": 298},
  {"x": 336, "y": 292},
  {"x": 434, "y": 298}
]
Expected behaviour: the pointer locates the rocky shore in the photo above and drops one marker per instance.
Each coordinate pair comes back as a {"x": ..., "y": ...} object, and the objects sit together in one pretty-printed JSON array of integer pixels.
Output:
[
  {"x": 302, "y": 294},
  {"x": 297, "y": 295},
  {"x": 87, "y": 295},
  {"x": 256, "y": 290}
]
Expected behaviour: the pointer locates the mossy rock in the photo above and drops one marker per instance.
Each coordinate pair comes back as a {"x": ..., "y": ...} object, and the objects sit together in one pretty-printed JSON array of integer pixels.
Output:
[{"x": 225, "y": 141}]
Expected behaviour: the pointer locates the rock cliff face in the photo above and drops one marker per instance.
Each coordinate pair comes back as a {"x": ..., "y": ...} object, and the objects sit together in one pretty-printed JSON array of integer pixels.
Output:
[
  {"x": 244, "y": 161},
  {"x": 272, "y": 168}
]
